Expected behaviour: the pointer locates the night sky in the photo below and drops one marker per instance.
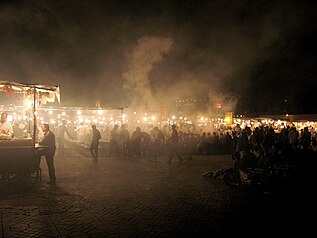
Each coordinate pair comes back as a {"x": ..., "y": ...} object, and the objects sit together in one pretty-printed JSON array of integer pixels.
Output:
[{"x": 250, "y": 56}]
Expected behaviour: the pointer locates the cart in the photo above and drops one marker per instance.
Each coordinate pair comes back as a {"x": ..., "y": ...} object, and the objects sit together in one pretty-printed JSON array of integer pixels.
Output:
[
  {"x": 20, "y": 157},
  {"x": 21, "y": 163}
]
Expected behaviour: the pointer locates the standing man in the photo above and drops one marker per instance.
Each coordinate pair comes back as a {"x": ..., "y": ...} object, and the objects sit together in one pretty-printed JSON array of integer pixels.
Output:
[
  {"x": 114, "y": 143},
  {"x": 61, "y": 131},
  {"x": 5, "y": 126},
  {"x": 49, "y": 152},
  {"x": 136, "y": 140},
  {"x": 96, "y": 136},
  {"x": 124, "y": 137},
  {"x": 172, "y": 142}
]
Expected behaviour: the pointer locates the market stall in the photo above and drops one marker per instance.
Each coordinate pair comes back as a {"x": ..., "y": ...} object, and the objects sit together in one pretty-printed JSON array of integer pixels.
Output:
[{"x": 19, "y": 153}]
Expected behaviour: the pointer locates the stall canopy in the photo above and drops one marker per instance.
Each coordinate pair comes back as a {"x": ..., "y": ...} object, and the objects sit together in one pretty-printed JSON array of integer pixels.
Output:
[{"x": 40, "y": 92}]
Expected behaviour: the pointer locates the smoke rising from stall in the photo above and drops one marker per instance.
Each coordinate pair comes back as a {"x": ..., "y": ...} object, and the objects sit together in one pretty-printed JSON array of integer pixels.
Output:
[{"x": 148, "y": 52}]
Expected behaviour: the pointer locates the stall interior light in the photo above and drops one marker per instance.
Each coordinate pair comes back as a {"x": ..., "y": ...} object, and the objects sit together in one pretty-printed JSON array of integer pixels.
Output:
[
  {"x": 28, "y": 103},
  {"x": 10, "y": 118}
]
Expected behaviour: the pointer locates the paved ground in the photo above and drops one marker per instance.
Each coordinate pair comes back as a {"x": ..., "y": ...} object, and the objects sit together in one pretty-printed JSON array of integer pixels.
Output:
[{"x": 129, "y": 197}]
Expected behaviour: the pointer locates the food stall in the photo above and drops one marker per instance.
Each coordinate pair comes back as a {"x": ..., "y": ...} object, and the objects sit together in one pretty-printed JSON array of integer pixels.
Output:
[{"x": 19, "y": 154}]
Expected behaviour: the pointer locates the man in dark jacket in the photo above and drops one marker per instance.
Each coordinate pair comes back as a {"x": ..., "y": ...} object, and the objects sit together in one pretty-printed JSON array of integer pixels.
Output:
[
  {"x": 49, "y": 152},
  {"x": 96, "y": 136}
]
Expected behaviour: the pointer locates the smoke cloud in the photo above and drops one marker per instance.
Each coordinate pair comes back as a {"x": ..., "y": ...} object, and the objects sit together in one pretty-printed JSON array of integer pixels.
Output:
[
  {"x": 148, "y": 52},
  {"x": 153, "y": 54}
]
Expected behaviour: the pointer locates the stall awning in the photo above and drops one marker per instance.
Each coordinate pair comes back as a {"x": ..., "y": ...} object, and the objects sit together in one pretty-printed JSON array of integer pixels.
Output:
[{"x": 44, "y": 93}]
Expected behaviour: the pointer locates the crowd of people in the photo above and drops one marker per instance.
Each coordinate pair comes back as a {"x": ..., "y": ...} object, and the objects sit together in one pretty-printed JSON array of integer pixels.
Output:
[
  {"x": 154, "y": 141},
  {"x": 173, "y": 141}
]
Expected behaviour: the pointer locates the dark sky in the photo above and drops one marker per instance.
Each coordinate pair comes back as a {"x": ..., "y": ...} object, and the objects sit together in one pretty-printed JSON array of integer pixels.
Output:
[{"x": 251, "y": 56}]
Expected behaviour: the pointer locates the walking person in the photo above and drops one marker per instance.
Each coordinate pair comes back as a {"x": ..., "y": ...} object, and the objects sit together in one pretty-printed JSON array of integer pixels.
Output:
[
  {"x": 49, "y": 152},
  {"x": 96, "y": 136}
]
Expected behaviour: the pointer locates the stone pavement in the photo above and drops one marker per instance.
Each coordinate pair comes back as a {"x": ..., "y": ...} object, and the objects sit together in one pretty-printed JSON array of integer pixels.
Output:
[{"x": 130, "y": 197}]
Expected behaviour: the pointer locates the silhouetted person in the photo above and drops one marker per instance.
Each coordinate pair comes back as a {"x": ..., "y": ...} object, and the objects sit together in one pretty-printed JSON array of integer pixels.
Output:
[
  {"x": 243, "y": 142},
  {"x": 172, "y": 143},
  {"x": 124, "y": 137},
  {"x": 158, "y": 139},
  {"x": 114, "y": 145},
  {"x": 49, "y": 152},
  {"x": 96, "y": 136},
  {"x": 136, "y": 139}
]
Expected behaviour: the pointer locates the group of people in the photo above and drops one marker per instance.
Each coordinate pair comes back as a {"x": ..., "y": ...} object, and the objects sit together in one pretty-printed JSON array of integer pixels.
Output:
[
  {"x": 48, "y": 142},
  {"x": 49, "y": 139},
  {"x": 172, "y": 142},
  {"x": 145, "y": 143}
]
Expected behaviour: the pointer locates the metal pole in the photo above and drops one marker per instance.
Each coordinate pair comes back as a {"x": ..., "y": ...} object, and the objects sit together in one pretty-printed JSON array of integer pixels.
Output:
[
  {"x": 121, "y": 115},
  {"x": 34, "y": 115}
]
